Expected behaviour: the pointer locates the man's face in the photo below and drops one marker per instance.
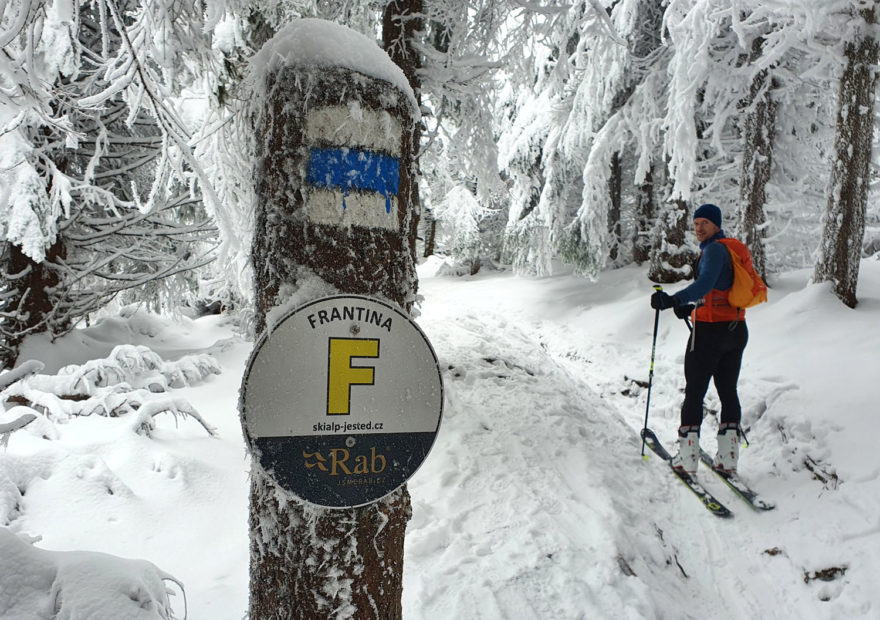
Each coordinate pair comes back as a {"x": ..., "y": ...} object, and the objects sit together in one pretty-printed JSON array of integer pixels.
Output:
[{"x": 704, "y": 229}]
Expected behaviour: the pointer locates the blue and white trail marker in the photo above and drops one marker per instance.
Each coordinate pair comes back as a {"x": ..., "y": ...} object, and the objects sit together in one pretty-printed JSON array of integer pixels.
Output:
[
  {"x": 341, "y": 401},
  {"x": 353, "y": 172}
]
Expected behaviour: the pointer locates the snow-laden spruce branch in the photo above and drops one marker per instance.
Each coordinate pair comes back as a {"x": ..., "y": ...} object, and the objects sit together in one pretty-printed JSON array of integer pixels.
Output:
[
  {"x": 109, "y": 197},
  {"x": 132, "y": 382}
]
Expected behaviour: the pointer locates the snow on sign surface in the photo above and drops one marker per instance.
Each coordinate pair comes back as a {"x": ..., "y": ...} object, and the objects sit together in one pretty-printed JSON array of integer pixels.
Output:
[{"x": 321, "y": 43}]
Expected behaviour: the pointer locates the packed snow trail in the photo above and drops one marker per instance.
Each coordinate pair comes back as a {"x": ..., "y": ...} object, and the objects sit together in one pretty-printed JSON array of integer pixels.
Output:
[
  {"x": 559, "y": 516},
  {"x": 535, "y": 495}
]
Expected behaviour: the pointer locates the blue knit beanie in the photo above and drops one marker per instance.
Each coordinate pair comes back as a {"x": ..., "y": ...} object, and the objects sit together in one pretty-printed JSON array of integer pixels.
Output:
[{"x": 709, "y": 212}]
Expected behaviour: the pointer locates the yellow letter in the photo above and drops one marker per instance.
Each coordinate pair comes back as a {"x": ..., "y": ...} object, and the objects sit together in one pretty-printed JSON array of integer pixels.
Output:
[{"x": 342, "y": 375}]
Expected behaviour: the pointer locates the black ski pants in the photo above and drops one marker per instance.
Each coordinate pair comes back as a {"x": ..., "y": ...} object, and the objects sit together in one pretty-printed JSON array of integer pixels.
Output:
[{"x": 717, "y": 354}]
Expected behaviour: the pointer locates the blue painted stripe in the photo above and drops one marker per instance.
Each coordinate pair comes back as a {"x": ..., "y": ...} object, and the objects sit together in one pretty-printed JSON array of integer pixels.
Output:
[{"x": 349, "y": 169}]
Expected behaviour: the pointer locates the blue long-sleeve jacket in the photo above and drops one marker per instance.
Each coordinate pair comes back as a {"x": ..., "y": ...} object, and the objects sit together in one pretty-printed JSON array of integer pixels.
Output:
[{"x": 714, "y": 272}]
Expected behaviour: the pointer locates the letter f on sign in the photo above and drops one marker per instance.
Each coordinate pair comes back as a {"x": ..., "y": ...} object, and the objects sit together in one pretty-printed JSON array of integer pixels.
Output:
[{"x": 342, "y": 375}]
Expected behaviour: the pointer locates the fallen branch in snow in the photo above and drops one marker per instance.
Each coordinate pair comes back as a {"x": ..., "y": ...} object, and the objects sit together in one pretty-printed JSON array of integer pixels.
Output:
[
  {"x": 831, "y": 573},
  {"x": 829, "y": 479},
  {"x": 142, "y": 422},
  {"x": 140, "y": 367},
  {"x": 6, "y": 428},
  {"x": 19, "y": 372},
  {"x": 124, "y": 383},
  {"x": 21, "y": 422}
]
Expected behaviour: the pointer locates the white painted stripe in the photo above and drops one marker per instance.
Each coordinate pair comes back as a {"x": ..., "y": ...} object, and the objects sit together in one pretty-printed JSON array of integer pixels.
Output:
[
  {"x": 354, "y": 126},
  {"x": 366, "y": 209}
]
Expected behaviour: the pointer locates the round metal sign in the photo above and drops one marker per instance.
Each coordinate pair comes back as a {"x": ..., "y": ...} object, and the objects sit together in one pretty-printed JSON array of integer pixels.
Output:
[{"x": 341, "y": 400}]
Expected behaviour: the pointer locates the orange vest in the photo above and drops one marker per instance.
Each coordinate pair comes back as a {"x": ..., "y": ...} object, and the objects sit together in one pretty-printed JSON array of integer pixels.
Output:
[{"x": 716, "y": 308}]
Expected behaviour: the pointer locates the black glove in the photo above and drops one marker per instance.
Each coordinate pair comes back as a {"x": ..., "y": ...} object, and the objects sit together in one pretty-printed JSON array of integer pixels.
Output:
[
  {"x": 683, "y": 311},
  {"x": 661, "y": 301}
]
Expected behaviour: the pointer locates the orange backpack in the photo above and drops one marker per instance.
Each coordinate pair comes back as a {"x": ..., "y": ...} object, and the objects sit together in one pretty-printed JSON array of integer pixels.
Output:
[{"x": 748, "y": 288}]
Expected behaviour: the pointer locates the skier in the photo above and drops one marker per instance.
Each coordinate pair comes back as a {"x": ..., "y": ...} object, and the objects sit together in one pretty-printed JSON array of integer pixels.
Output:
[{"x": 715, "y": 348}]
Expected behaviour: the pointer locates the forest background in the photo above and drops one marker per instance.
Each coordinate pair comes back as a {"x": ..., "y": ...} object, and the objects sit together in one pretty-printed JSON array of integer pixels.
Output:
[{"x": 582, "y": 132}]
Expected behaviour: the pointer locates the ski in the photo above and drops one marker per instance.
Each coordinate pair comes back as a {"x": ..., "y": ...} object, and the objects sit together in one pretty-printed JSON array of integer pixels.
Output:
[
  {"x": 736, "y": 484},
  {"x": 707, "y": 499}
]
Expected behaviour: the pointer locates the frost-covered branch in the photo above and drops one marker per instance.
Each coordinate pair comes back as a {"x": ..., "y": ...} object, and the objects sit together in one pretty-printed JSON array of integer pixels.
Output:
[
  {"x": 19, "y": 372},
  {"x": 94, "y": 148},
  {"x": 132, "y": 382},
  {"x": 142, "y": 420}
]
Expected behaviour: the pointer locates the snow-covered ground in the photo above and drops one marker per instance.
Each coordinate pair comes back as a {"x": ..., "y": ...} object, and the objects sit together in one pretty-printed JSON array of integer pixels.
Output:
[{"x": 535, "y": 501}]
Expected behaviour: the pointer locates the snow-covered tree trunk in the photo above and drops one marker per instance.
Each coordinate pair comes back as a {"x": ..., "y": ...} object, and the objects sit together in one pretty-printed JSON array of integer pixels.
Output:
[
  {"x": 615, "y": 181},
  {"x": 759, "y": 129},
  {"x": 841, "y": 248},
  {"x": 352, "y": 258},
  {"x": 307, "y": 561},
  {"x": 430, "y": 226},
  {"x": 25, "y": 303},
  {"x": 402, "y": 22},
  {"x": 644, "y": 219},
  {"x": 318, "y": 563},
  {"x": 671, "y": 257}
]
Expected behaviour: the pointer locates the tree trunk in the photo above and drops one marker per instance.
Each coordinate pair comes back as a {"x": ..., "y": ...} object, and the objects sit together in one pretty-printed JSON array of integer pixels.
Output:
[
  {"x": 307, "y": 561},
  {"x": 401, "y": 22},
  {"x": 615, "y": 182},
  {"x": 644, "y": 40},
  {"x": 645, "y": 213},
  {"x": 430, "y": 234},
  {"x": 671, "y": 258},
  {"x": 760, "y": 127},
  {"x": 840, "y": 252},
  {"x": 26, "y": 304}
]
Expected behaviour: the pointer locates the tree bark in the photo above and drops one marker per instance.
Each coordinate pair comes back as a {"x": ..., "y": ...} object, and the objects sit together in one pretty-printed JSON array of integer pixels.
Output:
[
  {"x": 671, "y": 258},
  {"x": 26, "y": 304},
  {"x": 401, "y": 22},
  {"x": 430, "y": 234},
  {"x": 615, "y": 182},
  {"x": 645, "y": 213},
  {"x": 759, "y": 130},
  {"x": 309, "y": 562},
  {"x": 844, "y": 230}
]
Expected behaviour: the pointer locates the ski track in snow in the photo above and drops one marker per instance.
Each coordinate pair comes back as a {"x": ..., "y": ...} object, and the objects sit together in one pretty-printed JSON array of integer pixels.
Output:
[{"x": 514, "y": 436}]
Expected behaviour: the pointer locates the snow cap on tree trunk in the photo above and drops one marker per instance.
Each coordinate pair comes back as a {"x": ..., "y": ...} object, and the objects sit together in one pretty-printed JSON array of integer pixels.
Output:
[{"x": 320, "y": 43}]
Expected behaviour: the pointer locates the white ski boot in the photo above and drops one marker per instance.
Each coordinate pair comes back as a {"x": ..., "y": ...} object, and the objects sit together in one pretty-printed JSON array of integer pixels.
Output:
[
  {"x": 728, "y": 448},
  {"x": 688, "y": 456}
]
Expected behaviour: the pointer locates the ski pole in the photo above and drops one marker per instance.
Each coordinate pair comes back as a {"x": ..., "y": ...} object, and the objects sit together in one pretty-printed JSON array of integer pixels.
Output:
[{"x": 657, "y": 288}]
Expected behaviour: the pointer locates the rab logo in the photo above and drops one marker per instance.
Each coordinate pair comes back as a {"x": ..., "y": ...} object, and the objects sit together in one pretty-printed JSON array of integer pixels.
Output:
[
  {"x": 340, "y": 462},
  {"x": 342, "y": 375}
]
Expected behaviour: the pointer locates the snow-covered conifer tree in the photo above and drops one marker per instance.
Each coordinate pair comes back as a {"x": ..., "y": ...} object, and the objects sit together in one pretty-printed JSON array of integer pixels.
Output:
[
  {"x": 460, "y": 52},
  {"x": 100, "y": 191},
  {"x": 542, "y": 151}
]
